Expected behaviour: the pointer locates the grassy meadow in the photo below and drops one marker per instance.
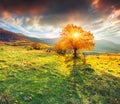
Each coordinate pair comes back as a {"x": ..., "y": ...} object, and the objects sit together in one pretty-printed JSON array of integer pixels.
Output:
[{"x": 40, "y": 77}]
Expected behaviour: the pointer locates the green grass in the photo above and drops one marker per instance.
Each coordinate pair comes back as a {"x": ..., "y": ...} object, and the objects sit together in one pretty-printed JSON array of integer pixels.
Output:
[{"x": 37, "y": 77}]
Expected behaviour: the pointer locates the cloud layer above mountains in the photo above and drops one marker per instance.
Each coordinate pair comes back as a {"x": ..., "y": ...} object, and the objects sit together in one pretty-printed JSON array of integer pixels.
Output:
[{"x": 46, "y": 18}]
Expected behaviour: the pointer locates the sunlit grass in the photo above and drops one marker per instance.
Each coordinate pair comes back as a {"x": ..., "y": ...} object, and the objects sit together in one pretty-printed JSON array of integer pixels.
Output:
[
  {"x": 38, "y": 77},
  {"x": 109, "y": 64}
]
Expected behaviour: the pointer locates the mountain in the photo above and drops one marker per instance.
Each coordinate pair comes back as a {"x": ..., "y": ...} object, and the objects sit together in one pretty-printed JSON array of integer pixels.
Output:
[
  {"x": 8, "y": 36},
  {"x": 48, "y": 41},
  {"x": 106, "y": 46},
  {"x": 100, "y": 45}
]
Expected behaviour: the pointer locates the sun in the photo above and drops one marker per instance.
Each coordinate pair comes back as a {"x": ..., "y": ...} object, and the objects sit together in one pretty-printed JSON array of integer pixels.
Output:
[{"x": 75, "y": 35}]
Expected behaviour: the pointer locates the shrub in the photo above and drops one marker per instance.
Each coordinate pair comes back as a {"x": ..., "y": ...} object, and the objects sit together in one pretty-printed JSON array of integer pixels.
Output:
[
  {"x": 88, "y": 69},
  {"x": 61, "y": 52}
]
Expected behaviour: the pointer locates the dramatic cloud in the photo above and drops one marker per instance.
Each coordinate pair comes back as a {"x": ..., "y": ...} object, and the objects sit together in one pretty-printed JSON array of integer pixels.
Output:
[
  {"x": 106, "y": 6},
  {"x": 106, "y": 28},
  {"x": 23, "y": 6},
  {"x": 46, "y": 6},
  {"x": 67, "y": 6},
  {"x": 30, "y": 26},
  {"x": 46, "y": 18}
]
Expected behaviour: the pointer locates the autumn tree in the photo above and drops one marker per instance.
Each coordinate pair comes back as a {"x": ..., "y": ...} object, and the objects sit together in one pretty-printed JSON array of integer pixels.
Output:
[{"x": 75, "y": 38}]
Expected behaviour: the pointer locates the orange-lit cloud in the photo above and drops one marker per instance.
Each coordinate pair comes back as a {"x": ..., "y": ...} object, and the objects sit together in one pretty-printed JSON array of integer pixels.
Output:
[
  {"x": 95, "y": 3},
  {"x": 45, "y": 18},
  {"x": 106, "y": 6},
  {"x": 5, "y": 14}
]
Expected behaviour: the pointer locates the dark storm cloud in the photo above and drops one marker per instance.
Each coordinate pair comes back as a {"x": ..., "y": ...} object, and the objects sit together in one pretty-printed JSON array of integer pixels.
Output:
[
  {"x": 61, "y": 11},
  {"x": 46, "y": 6},
  {"x": 66, "y": 6},
  {"x": 109, "y": 3},
  {"x": 23, "y": 6},
  {"x": 51, "y": 8}
]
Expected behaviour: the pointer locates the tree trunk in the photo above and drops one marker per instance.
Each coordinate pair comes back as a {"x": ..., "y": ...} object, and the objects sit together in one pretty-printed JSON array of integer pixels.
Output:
[
  {"x": 84, "y": 59},
  {"x": 75, "y": 53}
]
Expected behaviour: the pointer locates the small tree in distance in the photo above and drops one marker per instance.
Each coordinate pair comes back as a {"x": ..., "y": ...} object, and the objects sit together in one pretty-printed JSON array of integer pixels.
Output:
[{"x": 75, "y": 38}]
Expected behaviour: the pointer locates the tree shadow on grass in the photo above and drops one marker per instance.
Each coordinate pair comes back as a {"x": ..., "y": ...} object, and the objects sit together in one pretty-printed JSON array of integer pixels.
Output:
[
  {"x": 90, "y": 88},
  {"x": 46, "y": 86}
]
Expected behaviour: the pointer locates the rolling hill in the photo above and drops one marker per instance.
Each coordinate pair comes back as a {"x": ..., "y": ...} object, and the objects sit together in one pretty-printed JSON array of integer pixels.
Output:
[
  {"x": 100, "y": 45},
  {"x": 8, "y": 36},
  {"x": 49, "y": 41},
  {"x": 106, "y": 46}
]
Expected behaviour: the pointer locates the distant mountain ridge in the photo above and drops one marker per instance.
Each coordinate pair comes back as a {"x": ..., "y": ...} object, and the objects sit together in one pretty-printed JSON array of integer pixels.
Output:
[
  {"x": 100, "y": 45},
  {"x": 106, "y": 46},
  {"x": 49, "y": 41},
  {"x": 7, "y": 36}
]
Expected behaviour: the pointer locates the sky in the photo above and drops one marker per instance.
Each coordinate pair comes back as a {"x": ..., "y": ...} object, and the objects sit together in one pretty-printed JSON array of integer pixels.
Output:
[{"x": 47, "y": 18}]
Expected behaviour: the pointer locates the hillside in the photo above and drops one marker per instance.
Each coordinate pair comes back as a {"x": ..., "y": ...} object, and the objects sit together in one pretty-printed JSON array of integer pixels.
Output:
[
  {"x": 8, "y": 36},
  {"x": 100, "y": 45},
  {"x": 38, "y": 77},
  {"x": 106, "y": 46},
  {"x": 48, "y": 41}
]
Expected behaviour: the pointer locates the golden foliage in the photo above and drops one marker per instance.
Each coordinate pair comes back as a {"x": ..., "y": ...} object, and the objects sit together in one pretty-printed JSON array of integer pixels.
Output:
[{"x": 74, "y": 37}]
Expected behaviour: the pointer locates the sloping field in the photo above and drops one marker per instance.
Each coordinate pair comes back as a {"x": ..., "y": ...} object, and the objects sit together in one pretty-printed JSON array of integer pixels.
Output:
[{"x": 38, "y": 77}]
